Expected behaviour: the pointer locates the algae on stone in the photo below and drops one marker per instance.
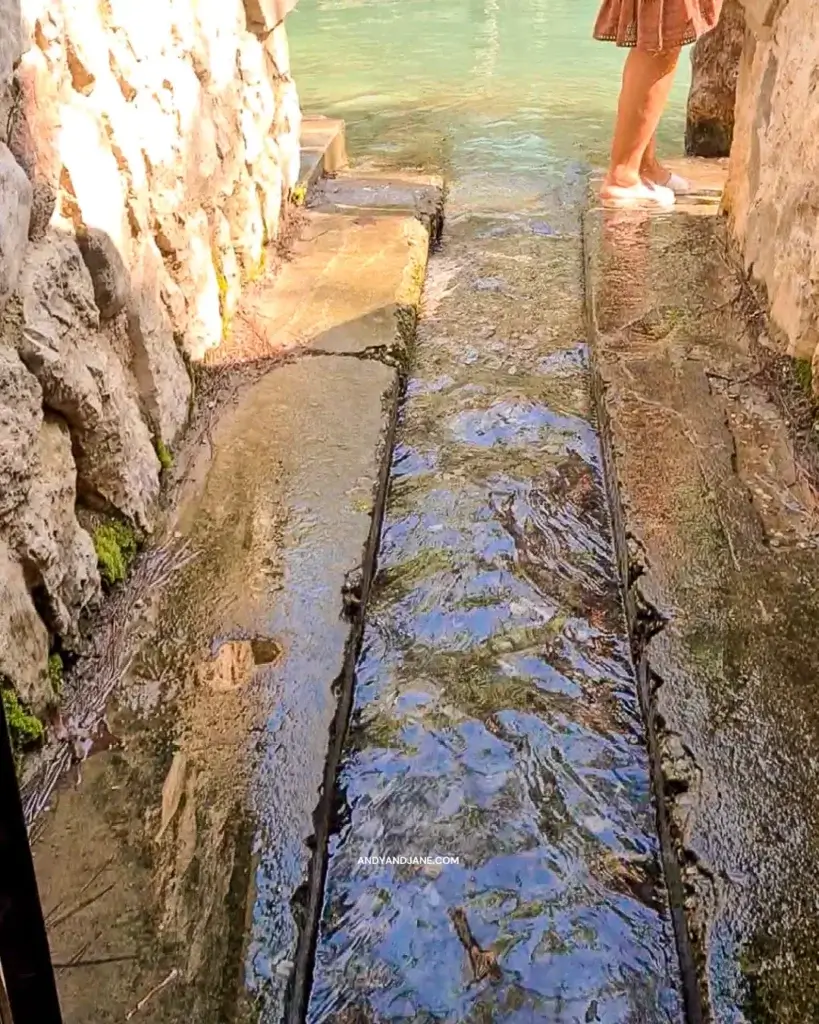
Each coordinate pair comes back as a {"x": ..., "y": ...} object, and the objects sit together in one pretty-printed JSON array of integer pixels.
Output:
[
  {"x": 804, "y": 375},
  {"x": 25, "y": 729},
  {"x": 163, "y": 453},
  {"x": 55, "y": 673},
  {"x": 116, "y": 546}
]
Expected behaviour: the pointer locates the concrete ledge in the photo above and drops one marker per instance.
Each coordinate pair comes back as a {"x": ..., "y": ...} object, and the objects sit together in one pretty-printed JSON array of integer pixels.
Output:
[{"x": 323, "y": 149}]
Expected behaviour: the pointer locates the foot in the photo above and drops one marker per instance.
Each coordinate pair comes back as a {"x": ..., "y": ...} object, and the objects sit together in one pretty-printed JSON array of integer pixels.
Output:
[
  {"x": 640, "y": 193},
  {"x": 659, "y": 175}
]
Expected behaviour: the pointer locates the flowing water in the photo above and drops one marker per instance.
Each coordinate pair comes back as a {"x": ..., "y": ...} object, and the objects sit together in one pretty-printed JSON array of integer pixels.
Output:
[{"x": 496, "y": 719}]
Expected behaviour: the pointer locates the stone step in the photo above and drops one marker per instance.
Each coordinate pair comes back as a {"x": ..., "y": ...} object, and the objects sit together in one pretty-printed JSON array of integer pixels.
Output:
[
  {"x": 176, "y": 870},
  {"x": 351, "y": 278},
  {"x": 323, "y": 149},
  {"x": 712, "y": 474}
]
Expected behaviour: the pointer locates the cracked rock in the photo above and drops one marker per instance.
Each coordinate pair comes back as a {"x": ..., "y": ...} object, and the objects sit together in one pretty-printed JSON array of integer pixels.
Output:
[
  {"x": 16, "y": 197},
  {"x": 59, "y": 340}
]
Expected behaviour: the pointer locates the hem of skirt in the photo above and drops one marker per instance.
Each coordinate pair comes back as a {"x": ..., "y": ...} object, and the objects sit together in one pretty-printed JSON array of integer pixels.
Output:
[{"x": 634, "y": 44}]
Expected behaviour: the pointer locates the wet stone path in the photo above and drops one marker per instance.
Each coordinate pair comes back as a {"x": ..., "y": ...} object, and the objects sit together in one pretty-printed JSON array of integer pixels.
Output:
[{"x": 496, "y": 717}]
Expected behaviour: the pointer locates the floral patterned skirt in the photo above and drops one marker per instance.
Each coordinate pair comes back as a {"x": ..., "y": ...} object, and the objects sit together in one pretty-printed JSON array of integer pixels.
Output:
[{"x": 656, "y": 24}]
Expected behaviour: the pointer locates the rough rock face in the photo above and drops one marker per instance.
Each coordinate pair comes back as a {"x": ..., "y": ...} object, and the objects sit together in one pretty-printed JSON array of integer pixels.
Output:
[
  {"x": 715, "y": 60},
  {"x": 15, "y": 212},
  {"x": 57, "y": 333},
  {"x": 147, "y": 152},
  {"x": 24, "y": 648},
  {"x": 772, "y": 197},
  {"x": 37, "y": 501}
]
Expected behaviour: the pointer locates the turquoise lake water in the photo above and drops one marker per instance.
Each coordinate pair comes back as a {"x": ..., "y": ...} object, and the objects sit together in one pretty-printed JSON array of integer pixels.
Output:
[{"x": 465, "y": 85}]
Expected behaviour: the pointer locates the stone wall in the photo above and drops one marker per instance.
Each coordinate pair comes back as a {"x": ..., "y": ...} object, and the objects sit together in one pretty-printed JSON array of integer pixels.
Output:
[
  {"x": 772, "y": 197},
  {"x": 147, "y": 151}
]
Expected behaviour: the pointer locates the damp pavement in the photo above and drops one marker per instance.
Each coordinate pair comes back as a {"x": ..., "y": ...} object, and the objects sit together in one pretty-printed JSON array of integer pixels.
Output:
[
  {"x": 713, "y": 448},
  {"x": 447, "y": 767},
  {"x": 171, "y": 857}
]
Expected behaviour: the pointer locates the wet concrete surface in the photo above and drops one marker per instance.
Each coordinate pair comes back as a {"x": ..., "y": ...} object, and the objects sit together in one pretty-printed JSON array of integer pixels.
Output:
[
  {"x": 722, "y": 545},
  {"x": 171, "y": 860},
  {"x": 349, "y": 274},
  {"x": 495, "y": 715}
]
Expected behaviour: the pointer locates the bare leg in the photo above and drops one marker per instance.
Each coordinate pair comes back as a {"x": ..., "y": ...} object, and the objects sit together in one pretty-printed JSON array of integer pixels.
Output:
[
  {"x": 652, "y": 170},
  {"x": 651, "y": 167},
  {"x": 647, "y": 80}
]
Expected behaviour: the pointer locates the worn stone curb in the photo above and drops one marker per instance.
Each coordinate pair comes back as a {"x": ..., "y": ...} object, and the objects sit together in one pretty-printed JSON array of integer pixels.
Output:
[{"x": 644, "y": 621}]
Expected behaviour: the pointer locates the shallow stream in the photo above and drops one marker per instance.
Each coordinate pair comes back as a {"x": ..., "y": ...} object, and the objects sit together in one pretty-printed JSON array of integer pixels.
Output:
[{"x": 496, "y": 719}]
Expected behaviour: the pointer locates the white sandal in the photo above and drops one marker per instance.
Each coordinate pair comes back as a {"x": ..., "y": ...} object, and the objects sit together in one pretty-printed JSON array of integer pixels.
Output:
[
  {"x": 679, "y": 186},
  {"x": 643, "y": 193}
]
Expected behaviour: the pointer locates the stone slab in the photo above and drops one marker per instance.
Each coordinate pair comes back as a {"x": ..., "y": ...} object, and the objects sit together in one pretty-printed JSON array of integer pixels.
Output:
[
  {"x": 215, "y": 746},
  {"x": 369, "y": 188},
  {"x": 718, "y": 537},
  {"x": 349, "y": 285},
  {"x": 323, "y": 148}
]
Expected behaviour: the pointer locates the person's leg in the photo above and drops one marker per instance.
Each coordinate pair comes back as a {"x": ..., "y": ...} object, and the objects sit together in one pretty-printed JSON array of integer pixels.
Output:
[
  {"x": 652, "y": 170},
  {"x": 647, "y": 80},
  {"x": 650, "y": 167}
]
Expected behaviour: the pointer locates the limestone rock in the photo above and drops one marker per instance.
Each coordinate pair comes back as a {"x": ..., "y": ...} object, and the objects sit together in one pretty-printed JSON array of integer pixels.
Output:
[
  {"x": 15, "y": 212},
  {"x": 33, "y": 134},
  {"x": 23, "y": 637},
  {"x": 98, "y": 192},
  {"x": 772, "y": 195},
  {"x": 244, "y": 214},
  {"x": 57, "y": 555},
  {"x": 223, "y": 113},
  {"x": 269, "y": 179},
  {"x": 83, "y": 380},
  {"x": 265, "y": 15},
  {"x": 200, "y": 286},
  {"x": 20, "y": 418},
  {"x": 109, "y": 274},
  {"x": 277, "y": 53},
  {"x": 258, "y": 100},
  {"x": 151, "y": 147},
  {"x": 87, "y": 54},
  {"x": 287, "y": 130},
  {"x": 11, "y": 38},
  {"x": 148, "y": 26},
  {"x": 214, "y": 56},
  {"x": 761, "y": 15},
  {"x": 160, "y": 370},
  {"x": 228, "y": 272},
  {"x": 715, "y": 60}
]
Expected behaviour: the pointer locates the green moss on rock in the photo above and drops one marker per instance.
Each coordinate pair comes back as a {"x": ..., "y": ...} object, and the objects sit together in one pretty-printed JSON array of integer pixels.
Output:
[
  {"x": 163, "y": 453},
  {"x": 804, "y": 375},
  {"x": 55, "y": 673},
  {"x": 26, "y": 730},
  {"x": 116, "y": 547}
]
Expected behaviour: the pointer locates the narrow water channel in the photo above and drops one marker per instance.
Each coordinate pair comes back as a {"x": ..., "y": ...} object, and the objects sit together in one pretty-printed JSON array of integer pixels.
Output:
[{"x": 496, "y": 723}]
